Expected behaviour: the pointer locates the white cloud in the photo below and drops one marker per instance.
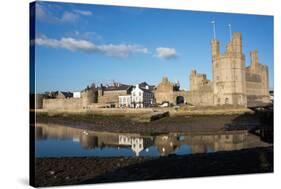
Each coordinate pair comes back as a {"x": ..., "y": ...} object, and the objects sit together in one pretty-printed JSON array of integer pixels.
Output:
[
  {"x": 93, "y": 36},
  {"x": 120, "y": 50},
  {"x": 40, "y": 12},
  {"x": 69, "y": 17},
  {"x": 84, "y": 12},
  {"x": 166, "y": 53},
  {"x": 47, "y": 14}
]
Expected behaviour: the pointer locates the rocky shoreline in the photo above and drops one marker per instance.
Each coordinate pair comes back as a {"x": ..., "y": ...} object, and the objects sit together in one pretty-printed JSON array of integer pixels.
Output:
[{"x": 85, "y": 170}]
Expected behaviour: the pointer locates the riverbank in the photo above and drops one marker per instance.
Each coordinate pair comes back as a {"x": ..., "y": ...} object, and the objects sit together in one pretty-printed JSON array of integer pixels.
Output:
[
  {"x": 125, "y": 124},
  {"x": 85, "y": 170},
  {"x": 173, "y": 111}
]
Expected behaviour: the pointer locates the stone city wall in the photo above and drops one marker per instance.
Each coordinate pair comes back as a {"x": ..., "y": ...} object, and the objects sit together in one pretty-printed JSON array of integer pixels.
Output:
[
  {"x": 111, "y": 97},
  {"x": 164, "y": 97},
  {"x": 62, "y": 104},
  {"x": 200, "y": 98}
]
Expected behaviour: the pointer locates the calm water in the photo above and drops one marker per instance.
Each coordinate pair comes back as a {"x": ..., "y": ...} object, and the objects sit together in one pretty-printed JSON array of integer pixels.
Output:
[{"x": 58, "y": 141}]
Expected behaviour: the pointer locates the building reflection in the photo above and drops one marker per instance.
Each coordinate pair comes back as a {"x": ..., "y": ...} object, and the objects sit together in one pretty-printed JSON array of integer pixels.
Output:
[{"x": 165, "y": 144}]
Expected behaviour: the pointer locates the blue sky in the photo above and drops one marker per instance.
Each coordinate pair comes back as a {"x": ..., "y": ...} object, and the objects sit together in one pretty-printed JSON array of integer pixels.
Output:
[{"x": 77, "y": 44}]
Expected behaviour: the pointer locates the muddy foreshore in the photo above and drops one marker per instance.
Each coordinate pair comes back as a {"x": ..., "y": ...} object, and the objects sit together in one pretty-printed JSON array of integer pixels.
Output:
[
  {"x": 168, "y": 124},
  {"x": 85, "y": 170}
]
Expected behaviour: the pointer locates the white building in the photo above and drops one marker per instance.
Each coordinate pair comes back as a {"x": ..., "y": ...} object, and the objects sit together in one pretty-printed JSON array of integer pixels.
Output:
[
  {"x": 76, "y": 94},
  {"x": 125, "y": 101},
  {"x": 141, "y": 97},
  {"x": 136, "y": 143}
]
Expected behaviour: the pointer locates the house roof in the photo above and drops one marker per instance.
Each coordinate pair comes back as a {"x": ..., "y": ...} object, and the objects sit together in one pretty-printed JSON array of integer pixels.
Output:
[
  {"x": 143, "y": 86},
  {"x": 54, "y": 94},
  {"x": 67, "y": 94},
  {"x": 117, "y": 87}
]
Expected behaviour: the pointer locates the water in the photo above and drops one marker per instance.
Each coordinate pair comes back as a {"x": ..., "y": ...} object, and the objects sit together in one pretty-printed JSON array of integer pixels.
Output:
[{"x": 61, "y": 141}]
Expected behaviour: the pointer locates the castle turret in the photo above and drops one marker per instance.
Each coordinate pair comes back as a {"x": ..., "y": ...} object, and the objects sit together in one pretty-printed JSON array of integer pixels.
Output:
[
  {"x": 254, "y": 60},
  {"x": 89, "y": 96},
  {"x": 237, "y": 42},
  {"x": 215, "y": 48}
]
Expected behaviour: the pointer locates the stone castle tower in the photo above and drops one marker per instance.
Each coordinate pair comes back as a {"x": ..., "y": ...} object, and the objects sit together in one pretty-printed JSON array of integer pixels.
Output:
[
  {"x": 89, "y": 96},
  {"x": 233, "y": 82},
  {"x": 257, "y": 80},
  {"x": 197, "y": 81},
  {"x": 229, "y": 72}
]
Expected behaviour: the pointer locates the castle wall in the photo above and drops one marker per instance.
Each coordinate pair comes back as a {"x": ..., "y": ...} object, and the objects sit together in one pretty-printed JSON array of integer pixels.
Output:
[
  {"x": 62, "y": 104},
  {"x": 39, "y": 101},
  {"x": 164, "y": 97},
  {"x": 202, "y": 97},
  {"x": 111, "y": 97}
]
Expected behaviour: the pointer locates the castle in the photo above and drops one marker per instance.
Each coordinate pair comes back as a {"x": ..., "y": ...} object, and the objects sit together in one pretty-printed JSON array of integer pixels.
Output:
[{"x": 233, "y": 83}]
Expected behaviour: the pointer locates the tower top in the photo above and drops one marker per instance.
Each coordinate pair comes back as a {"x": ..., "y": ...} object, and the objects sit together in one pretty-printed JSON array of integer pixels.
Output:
[
  {"x": 254, "y": 57},
  {"x": 236, "y": 35}
]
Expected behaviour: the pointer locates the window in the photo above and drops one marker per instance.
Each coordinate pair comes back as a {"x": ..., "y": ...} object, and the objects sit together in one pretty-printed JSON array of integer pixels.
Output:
[
  {"x": 139, "y": 93},
  {"x": 226, "y": 101},
  {"x": 218, "y": 78}
]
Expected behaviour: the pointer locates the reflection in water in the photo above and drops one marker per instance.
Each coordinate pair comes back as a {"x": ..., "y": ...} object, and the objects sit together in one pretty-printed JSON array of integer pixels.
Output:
[{"x": 54, "y": 140}]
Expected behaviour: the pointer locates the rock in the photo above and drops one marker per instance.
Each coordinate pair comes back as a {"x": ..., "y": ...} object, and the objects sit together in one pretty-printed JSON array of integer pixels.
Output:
[{"x": 52, "y": 172}]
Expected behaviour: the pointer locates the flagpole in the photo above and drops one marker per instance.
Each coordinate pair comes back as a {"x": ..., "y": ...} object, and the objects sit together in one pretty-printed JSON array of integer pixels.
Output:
[
  {"x": 230, "y": 32},
  {"x": 214, "y": 29}
]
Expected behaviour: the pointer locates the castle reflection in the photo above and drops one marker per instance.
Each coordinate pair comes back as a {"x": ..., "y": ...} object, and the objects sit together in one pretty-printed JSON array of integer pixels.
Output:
[{"x": 163, "y": 144}]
